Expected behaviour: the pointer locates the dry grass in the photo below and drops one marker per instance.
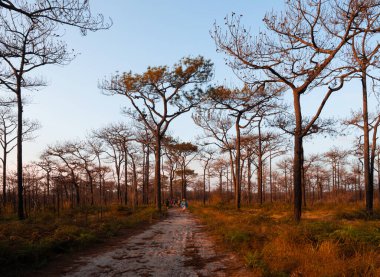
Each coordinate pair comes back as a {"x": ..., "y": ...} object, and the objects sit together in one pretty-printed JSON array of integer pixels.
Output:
[
  {"x": 330, "y": 241},
  {"x": 31, "y": 243}
]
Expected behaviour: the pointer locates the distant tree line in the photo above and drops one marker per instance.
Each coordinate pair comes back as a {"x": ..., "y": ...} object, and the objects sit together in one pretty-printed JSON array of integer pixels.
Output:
[{"x": 312, "y": 46}]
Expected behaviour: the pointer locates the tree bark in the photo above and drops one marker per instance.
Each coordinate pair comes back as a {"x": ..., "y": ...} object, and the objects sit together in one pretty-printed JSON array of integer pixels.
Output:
[
  {"x": 146, "y": 178},
  {"x": 270, "y": 177},
  {"x": 4, "y": 176},
  {"x": 303, "y": 180},
  {"x": 20, "y": 211},
  {"x": 171, "y": 177},
  {"x": 367, "y": 175},
  {"x": 204, "y": 185},
  {"x": 157, "y": 173},
  {"x": 134, "y": 182},
  {"x": 91, "y": 181},
  {"x": 184, "y": 181},
  {"x": 125, "y": 175},
  {"x": 260, "y": 169},
  {"x": 297, "y": 161},
  {"x": 232, "y": 176},
  {"x": 237, "y": 165},
  {"x": 249, "y": 180},
  {"x": 378, "y": 173}
]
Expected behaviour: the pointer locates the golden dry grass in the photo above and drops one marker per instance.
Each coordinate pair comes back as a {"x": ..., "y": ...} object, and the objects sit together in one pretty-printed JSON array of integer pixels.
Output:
[{"x": 331, "y": 240}]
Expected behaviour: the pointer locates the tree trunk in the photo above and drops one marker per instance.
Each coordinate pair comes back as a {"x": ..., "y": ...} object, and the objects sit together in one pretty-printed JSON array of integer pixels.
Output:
[
  {"x": 286, "y": 182},
  {"x": 48, "y": 184},
  {"x": 260, "y": 169},
  {"x": 143, "y": 174},
  {"x": 221, "y": 185},
  {"x": 117, "y": 168},
  {"x": 157, "y": 173},
  {"x": 227, "y": 190},
  {"x": 378, "y": 173},
  {"x": 4, "y": 176},
  {"x": 297, "y": 161},
  {"x": 134, "y": 182},
  {"x": 100, "y": 188},
  {"x": 232, "y": 176},
  {"x": 183, "y": 180},
  {"x": 367, "y": 176},
  {"x": 171, "y": 178},
  {"x": 147, "y": 170},
  {"x": 125, "y": 174},
  {"x": 237, "y": 165},
  {"x": 303, "y": 180},
  {"x": 372, "y": 164},
  {"x": 204, "y": 185},
  {"x": 319, "y": 185},
  {"x": 20, "y": 211},
  {"x": 333, "y": 178},
  {"x": 76, "y": 187},
  {"x": 91, "y": 188},
  {"x": 270, "y": 177},
  {"x": 209, "y": 184},
  {"x": 338, "y": 177},
  {"x": 249, "y": 180},
  {"x": 146, "y": 177}
]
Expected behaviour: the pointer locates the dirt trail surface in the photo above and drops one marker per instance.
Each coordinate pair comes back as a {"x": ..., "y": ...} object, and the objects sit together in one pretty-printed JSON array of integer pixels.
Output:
[{"x": 176, "y": 246}]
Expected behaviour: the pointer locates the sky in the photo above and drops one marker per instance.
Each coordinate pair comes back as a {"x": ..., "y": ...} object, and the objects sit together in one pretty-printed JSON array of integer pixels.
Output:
[{"x": 144, "y": 33}]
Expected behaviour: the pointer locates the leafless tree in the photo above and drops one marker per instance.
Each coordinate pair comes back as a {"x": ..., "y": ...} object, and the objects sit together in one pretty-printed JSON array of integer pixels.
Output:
[
  {"x": 63, "y": 152},
  {"x": 336, "y": 157},
  {"x": 8, "y": 137},
  {"x": 186, "y": 152},
  {"x": 76, "y": 13},
  {"x": 160, "y": 95},
  {"x": 309, "y": 163},
  {"x": 85, "y": 159},
  {"x": 219, "y": 168},
  {"x": 96, "y": 147},
  {"x": 362, "y": 60},
  {"x": 244, "y": 105},
  {"x": 206, "y": 156},
  {"x": 116, "y": 138},
  {"x": 218, "y": 131},
  {"x": 172, "y": 162},
  {"x": 286, "y": 166},
  {"x": 298, "y": 51},
  {"x": 259, "y": 148},
  {"x": 47, "y": 165},
  {"x": 144, "y": 137},
  {"x": 25, "y": 46},
  {"x": 134, "y": 154}
]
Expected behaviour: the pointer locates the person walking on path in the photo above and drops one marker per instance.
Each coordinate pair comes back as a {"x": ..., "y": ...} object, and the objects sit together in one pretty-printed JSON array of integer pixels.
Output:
[{"x": 184, "y": 204}]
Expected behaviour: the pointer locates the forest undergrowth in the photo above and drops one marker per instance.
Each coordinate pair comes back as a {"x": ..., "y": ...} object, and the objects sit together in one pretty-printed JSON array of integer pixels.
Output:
[
  {"x": 331, "y": 239},
  {"x": 32, "y": 243}
]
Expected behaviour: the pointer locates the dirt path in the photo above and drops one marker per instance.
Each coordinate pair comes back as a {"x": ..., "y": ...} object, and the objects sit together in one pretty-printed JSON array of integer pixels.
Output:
[{"x": 176, "y": 246}]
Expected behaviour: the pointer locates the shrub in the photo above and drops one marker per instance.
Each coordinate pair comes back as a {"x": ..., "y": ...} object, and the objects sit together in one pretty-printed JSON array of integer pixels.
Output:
[
  {"x": 255, "y": 260},
  {"x": 237, "y": 237}
]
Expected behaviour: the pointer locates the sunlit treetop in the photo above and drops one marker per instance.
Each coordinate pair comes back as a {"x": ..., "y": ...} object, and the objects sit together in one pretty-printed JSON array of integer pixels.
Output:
[{"x": 162, "y": 93}]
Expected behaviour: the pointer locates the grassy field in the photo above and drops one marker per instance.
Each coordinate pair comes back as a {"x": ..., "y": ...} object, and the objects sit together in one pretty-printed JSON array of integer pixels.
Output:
[
  {"x": 32, "y": 243},
  {"x": 331, "y": 240}
]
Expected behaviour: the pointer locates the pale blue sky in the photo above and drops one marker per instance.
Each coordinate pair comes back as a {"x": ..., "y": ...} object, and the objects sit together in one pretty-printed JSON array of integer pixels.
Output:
[{"x": 156, "y": 32}]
